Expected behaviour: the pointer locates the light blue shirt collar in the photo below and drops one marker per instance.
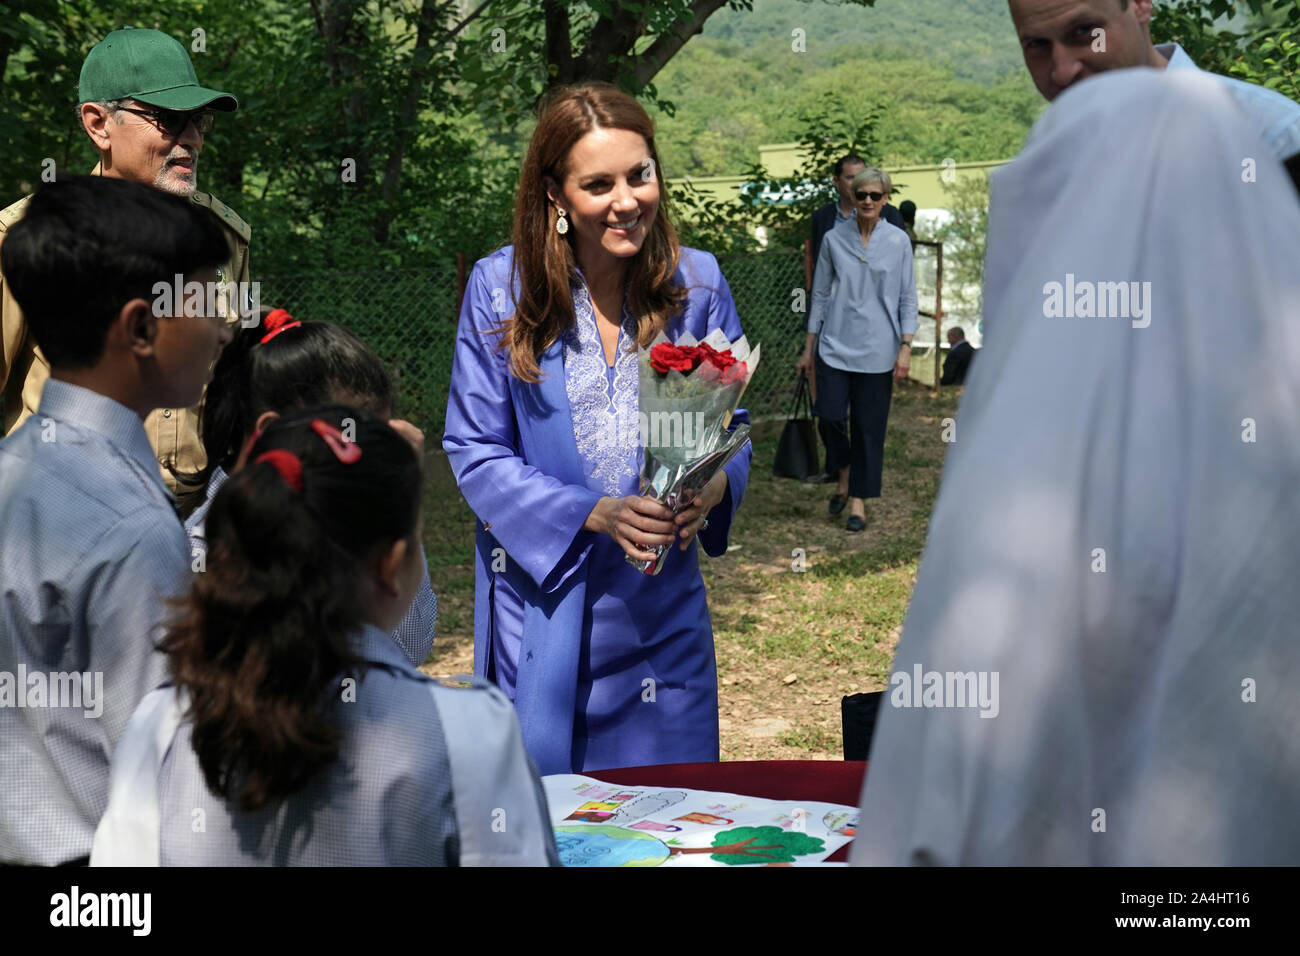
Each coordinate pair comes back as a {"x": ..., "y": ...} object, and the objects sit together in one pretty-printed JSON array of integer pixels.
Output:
[
  {"x": 1177, "y": 57},
  {"x": 1275, "y": 117},
  {"x": 215, "y": 481},
  {"x": 374, "y": 646},
  {"x": 119, "y": 425}
]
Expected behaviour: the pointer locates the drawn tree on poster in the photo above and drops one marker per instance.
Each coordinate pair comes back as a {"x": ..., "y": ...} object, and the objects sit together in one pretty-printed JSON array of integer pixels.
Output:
[{"x": 756, "y": 845}]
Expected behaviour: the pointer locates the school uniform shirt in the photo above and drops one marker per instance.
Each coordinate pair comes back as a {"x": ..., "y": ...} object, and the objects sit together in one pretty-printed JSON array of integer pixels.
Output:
[
  {"x": 173, "y": 432},
  {"x": 427, "y": 775},
  {"x": 416, "y": 632},
  {"x": 864, "y": 300},
  {"x": 90, "y": 549}
]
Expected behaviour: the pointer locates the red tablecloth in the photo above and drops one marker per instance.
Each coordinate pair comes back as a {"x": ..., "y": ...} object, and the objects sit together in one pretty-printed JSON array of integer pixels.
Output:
[{"x": 830, "y": 781}]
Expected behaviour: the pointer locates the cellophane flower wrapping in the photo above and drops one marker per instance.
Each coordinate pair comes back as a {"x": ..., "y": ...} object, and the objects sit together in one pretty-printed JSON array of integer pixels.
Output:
[{"x": 684, "y": 420}]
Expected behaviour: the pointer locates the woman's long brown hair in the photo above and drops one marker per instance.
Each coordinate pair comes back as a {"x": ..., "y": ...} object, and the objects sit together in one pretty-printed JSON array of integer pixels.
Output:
[{"x": 544, "y": 261}]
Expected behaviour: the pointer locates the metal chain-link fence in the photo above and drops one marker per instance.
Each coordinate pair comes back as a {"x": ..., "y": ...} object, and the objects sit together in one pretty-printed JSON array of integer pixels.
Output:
[{"x": 409, "y": 318}]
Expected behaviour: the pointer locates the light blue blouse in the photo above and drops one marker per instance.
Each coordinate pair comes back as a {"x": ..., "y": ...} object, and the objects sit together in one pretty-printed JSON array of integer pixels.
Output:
[{"x": 864, "y": 300}]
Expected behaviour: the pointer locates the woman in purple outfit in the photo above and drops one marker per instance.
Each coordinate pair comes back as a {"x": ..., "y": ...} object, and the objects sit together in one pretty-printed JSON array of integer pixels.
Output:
[{"x": 607, "y": 667}]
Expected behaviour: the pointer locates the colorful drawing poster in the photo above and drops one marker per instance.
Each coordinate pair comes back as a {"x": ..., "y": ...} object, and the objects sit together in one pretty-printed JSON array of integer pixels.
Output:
[{"x": 604, "y": 824}]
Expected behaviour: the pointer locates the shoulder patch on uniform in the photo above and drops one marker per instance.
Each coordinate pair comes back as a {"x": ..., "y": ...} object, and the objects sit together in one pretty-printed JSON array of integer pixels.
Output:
[
  {"x": 225, "y": 215},
  {"x": 11, "y": 214}
]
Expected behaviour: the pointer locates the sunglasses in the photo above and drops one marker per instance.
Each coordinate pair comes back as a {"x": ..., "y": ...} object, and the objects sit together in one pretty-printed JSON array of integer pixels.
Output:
[
  {"x": 863, "y": 194},
  {"x": 173, "y": 122}
]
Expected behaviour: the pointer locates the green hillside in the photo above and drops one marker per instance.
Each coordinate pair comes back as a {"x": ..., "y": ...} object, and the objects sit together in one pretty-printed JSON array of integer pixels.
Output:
[
  {"x": 947, "y": 75},
  {"x": 973, "y": 38}
]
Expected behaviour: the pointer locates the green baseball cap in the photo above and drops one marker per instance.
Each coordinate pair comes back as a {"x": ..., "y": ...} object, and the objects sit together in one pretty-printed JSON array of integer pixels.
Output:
[{"x": 148, "y": 66}]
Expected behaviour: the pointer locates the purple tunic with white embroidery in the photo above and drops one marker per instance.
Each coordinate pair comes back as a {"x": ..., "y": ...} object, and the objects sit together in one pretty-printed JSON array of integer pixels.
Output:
[{"x": 607, "y": 667}]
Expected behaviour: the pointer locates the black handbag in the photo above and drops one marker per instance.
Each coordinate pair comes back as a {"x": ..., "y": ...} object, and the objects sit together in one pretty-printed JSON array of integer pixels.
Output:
[
  {"x": 858, "y": 714},
  {"x": 796, "y": 453}
]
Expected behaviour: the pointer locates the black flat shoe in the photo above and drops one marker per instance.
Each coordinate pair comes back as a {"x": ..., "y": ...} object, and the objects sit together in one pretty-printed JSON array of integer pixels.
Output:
[
  {"x": 837, "y": 504},
  {"x": 856, "y": 523}
]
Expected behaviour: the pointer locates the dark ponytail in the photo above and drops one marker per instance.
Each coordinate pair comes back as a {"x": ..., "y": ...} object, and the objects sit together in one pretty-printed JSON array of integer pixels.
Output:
[
  {"x": 265, "y": 633},
  {"x": 315, "y": 363}
]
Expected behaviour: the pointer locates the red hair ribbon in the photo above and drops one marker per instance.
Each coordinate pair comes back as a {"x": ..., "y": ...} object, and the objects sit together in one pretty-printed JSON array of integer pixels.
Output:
[
  {"x": 277, "y": 321},
  {"x": 345, "y": 451},
  {"x": 286, "y": 463},
  {"x": 248, "y": 448}
]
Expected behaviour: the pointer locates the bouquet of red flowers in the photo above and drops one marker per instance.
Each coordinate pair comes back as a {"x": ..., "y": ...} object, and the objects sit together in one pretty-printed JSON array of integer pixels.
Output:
[
  {"x": 666, "y": 357},
  {"x": 688, "y": 393}
]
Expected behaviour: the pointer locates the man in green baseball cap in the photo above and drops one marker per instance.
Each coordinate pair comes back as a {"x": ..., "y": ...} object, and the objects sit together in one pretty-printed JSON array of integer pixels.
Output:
[
  {"x": 147, "y": 75},
  {"x": 142, "y": 106}
]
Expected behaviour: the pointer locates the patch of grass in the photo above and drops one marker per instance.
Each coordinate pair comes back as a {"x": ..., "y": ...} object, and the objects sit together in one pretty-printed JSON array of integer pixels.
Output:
[
  {"x": 893, "y": 553},
  {"x": 817, "y": 739},
  {"x": 448, "y": 521},
  {"x": 835, "y": 624},
  {"x": 449, "y": 548}
]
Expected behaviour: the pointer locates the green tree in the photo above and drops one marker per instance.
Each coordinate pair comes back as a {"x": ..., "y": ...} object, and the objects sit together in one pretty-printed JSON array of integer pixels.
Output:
[
  {"x": 756, "y": 845},
  {"x": 709, "y": 223},
  {"x": 784, "y": 204},
  {"x": 781, "y": 205},
  {"x": 964, "y": 236},
  {"x": 369, "y": 133},
  {"x": 1266, "y": 52}
]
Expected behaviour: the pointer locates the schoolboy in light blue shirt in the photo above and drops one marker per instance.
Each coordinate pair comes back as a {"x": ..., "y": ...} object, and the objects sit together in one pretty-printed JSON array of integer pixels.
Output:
[{"x": 91, "y": 547}]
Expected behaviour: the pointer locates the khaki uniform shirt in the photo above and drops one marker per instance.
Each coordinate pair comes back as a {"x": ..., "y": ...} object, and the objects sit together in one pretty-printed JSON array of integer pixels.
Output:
[{"x": 173, "y": 432}]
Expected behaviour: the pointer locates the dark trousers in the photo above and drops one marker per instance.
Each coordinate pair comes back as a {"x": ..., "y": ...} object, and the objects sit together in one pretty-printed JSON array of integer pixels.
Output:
[{"x": 853, "y": 409}]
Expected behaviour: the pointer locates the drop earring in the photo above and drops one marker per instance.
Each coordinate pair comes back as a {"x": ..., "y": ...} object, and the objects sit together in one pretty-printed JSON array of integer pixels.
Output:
[{"x": 562, "y": 224}]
